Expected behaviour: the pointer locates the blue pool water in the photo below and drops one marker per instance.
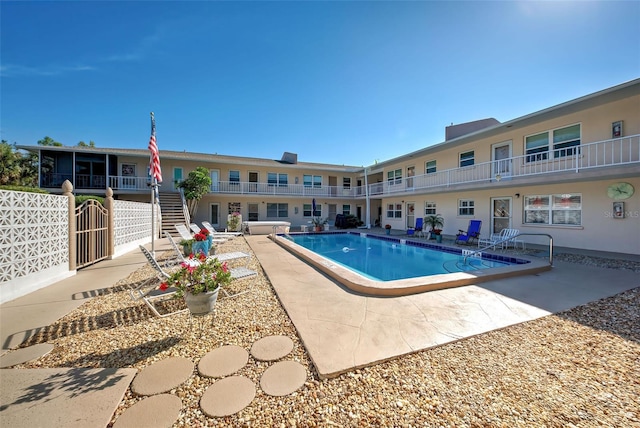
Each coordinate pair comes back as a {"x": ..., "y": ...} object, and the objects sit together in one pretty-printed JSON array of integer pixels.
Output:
[{"x": 386, "y": 259}]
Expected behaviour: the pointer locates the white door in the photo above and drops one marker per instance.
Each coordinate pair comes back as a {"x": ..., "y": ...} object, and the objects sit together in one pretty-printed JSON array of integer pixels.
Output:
[
  {"x": 501, "y": 156},
  {"x": 411, "y": 215},
  {"x": 215, "y": 179},
  {"x": 500, "y": 214}
]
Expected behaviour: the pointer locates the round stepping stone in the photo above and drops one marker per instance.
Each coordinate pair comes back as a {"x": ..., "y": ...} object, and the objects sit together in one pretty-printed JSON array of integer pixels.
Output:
[
  {"x": 271, "y": 348},
  {"x": 223, "y": 361},
  {"x": 157, "y": 411},
  {"x": 283, "y": 378},
  {"x": 162, "y": 376},
  {"x": 23, "y": 355},
  {"x": 227, "y": 396}
]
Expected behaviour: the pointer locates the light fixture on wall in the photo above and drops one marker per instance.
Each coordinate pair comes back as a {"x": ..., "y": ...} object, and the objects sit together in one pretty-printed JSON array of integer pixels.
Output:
[
  {"x": 498, "y": 177},
  {"x": 517, "y": 195},
  {"x": 295, "y": 210},
  {"x": 263, "y": 202}
]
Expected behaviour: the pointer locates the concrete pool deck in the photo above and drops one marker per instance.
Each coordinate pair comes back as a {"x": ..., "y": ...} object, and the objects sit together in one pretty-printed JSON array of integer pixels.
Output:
[{"x": 343, "y": 330}]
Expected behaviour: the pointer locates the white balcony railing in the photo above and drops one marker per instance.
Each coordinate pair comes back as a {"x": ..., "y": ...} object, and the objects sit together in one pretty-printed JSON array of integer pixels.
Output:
[{"x": 617, "y": 152}]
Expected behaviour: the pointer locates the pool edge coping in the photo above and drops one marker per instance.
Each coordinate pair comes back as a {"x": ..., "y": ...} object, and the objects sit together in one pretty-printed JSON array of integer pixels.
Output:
[{"x": 403, "y": 287}]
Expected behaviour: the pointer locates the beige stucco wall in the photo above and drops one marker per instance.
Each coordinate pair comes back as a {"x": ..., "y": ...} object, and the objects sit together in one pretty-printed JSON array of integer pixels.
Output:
[{"x": 599, "y": 229}]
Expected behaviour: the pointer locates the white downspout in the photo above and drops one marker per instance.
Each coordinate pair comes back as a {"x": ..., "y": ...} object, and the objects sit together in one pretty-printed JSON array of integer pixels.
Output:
[{"x": 366, "y": 192}]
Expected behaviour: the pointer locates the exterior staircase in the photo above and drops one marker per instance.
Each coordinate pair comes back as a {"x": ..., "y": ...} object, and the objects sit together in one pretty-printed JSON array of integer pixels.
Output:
[{"x": 172, "y": 213}]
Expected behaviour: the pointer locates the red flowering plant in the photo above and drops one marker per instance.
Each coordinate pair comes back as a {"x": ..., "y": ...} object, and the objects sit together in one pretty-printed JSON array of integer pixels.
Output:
[
  {"x": 198, "y": 274},
  {"x": 202, "y": 235}
]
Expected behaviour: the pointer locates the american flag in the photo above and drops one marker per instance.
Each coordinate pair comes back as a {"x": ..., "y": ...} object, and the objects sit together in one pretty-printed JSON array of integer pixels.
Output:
[{"x": 154, "y": 163}]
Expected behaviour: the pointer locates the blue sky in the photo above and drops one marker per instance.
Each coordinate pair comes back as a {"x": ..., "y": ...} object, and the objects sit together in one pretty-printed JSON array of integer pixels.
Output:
[{"x": 337, "y": 82}]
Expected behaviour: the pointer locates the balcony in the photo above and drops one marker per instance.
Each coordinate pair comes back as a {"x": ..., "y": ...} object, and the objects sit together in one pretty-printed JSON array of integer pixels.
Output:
[
  {"x": 602, "y": 154},
  {"x": 618, "y": 152}
]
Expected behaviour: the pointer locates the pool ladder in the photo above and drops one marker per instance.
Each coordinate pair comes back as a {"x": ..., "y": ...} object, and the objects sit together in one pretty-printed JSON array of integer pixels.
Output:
[{"x": 471, "y": 254}]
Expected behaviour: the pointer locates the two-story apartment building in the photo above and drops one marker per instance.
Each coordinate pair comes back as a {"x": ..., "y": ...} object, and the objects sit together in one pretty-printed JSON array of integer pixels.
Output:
[{"x": 571, "y": 171}]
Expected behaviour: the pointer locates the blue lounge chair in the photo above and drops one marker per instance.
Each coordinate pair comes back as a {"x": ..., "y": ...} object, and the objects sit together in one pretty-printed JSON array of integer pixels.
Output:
[
  {"x": 472, "y": 233},
  {"x": 418, "y": 229}
]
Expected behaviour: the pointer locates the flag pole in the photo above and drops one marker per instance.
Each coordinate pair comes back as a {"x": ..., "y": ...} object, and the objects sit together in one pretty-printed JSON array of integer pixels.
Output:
[{"x": 154, "y": 184}]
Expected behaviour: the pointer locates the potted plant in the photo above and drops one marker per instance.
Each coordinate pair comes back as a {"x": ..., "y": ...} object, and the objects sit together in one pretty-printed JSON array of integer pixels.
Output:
[
  {"x": 187, "y": 246},
  {"x": 436, "y": 223},
  {"x": 233, "y": 222},
  {"x": 202, "y": 242},
  {"x": 387, "y": 228},
  {"x": 199, "y": 280},
  {"x": 318, "y": 223}
]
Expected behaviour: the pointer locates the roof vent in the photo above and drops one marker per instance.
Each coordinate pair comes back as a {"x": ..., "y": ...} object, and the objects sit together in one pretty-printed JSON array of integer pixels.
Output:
[{"x": 291, "y": 158}]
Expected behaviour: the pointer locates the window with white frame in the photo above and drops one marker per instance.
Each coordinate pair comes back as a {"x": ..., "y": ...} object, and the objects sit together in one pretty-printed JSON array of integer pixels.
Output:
[
  {"x": 430, "y": 167},
  {"x": 277, "y": 179},
  {"x": 312, "y": 180},
  {"x": 306, "y": 210},
  {"x": 346, "y": 209},
  {"x": 466, "y": 207},
  {"x": 394, "y": 177},
  {"x": 234, "y": 176},
  {"x": 566, "y": 142},
  {"x": 467, "y": 158},
  {"x": 554, "y": 209},
  {"x": 394, "y": 210},
  {"x": 277, "y": 210},
  {"x": 234, "y": 207},
  {"x": 429, "y": 208},
  {"x": 346, "y": 182}
]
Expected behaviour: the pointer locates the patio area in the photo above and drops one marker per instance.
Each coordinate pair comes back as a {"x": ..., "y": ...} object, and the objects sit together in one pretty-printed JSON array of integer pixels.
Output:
[{"x": 488, "y": 354}]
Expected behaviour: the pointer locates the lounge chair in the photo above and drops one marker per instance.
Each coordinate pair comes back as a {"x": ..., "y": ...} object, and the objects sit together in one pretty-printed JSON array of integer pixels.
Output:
[
  {"x": 149, "y": 290},
  {"x": 183, "y": 231},
  {"x": 418, "y": 229},
  {"x": 223, "y": 257},
  {"x": 212, "y": 229},
  {"x": 196, "y": 229},
  {"x": 493, "y": 240},
  {"x": 472, "y": 233},
  {"x": 236, "y": 272}
]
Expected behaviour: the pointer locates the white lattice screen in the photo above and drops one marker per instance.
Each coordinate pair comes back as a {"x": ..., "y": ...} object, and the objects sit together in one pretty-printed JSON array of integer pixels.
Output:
[
  {"x": 34, "y": 233},
  {"x": 132, "y": 221}
]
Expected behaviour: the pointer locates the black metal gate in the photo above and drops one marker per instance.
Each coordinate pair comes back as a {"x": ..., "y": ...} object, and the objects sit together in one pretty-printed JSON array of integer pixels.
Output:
[{"x": 91, "y": 233}]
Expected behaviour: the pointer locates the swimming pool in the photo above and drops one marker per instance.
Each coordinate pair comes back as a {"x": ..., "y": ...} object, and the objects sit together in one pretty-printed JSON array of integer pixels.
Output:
[
  {"x": 386, "y": 260},
  {"x": 383, "y": 265}
]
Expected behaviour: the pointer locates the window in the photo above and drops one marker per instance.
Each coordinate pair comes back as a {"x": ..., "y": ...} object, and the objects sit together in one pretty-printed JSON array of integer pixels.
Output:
[
  {"x": 276, "y": 210},
  {"x": 312, "y": 181},
  {"x": 429, "y": 208},
  {"x": 275, "y": 179},
  {"x": 430, "y": 167},
  {"x": 394, "y": 210},
  {"x": 252, "y": 211},
  {"x": 234, "y": 207},
  {"x": 346, "y": 182},
  {"x": 566, "y": 142},
  {"x": 537, "y": 146},
  {"x": 234, "y": 176},
  {"x": 559, "y": 209},
  {"x": 346, "y": 209},
  {"x": 306, "y": 210},
  {"x": 466, "y": 207},
  {"x": 394, "y": 177},
  {"x": 467, "y": 158}
]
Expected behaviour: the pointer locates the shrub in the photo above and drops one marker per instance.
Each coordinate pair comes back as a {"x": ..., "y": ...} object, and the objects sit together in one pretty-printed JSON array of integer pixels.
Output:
[{"x": 23, "y": 189}]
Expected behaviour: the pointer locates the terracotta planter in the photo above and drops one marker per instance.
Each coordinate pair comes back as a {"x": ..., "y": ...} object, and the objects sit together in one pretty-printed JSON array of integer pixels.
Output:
[{"x": 201, "y": 303}]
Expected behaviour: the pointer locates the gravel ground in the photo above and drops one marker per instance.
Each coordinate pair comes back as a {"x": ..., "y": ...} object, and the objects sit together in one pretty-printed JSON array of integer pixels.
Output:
[{"x": 579, "y": 368}]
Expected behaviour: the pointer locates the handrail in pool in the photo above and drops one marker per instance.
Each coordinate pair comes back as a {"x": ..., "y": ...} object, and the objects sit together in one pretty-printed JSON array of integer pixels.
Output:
[{"x": 512, "y": 238}]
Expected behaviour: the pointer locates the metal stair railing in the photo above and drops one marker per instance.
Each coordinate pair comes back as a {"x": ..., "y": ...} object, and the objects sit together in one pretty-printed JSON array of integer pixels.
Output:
[
  {"x": 512, "y": 238},
  {"x": 185, "y": 210}
]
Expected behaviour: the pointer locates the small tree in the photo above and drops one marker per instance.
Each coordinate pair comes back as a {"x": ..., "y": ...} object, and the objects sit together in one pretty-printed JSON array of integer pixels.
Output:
[
  {"x": 17, "y": 168},
  {"x": 195, "y": 186}
]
